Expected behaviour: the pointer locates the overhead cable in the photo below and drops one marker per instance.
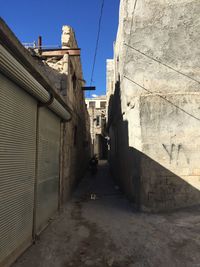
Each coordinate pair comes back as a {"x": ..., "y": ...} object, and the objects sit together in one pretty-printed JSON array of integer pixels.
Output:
[
  {"x": 161, "y": 96},
  {"x": 97, "y": 42},
  {"x": 164, "y": 64}
]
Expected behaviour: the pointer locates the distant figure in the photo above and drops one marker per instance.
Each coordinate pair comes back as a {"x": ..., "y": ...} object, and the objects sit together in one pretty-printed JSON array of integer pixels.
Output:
[{"x": 93, "y": 164}]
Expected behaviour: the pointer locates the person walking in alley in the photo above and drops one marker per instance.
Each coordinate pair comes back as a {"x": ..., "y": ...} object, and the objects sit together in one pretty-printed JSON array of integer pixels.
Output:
[{"x": 93, "y": 164}]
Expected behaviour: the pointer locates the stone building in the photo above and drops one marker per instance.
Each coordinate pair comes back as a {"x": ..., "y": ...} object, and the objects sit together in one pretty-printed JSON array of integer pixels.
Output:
[
  {"x": 153, "y": 86},
  {"x": 44, "y": 136},
  {"x": 97, "y": 112},
  {"x": 63, "y": 67}
]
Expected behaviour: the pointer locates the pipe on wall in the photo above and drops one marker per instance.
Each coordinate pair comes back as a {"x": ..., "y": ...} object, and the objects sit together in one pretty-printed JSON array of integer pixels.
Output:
[{"x": 16, "y": 72}]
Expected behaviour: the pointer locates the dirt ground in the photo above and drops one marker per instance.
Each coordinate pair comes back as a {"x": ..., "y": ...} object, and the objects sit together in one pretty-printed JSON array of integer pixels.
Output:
[{"x": 103, "y": 230}]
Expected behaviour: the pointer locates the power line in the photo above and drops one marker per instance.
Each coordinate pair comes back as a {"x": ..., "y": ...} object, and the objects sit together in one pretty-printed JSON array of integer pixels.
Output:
[
  {"x": 131, "y": 27},
  {"x": 164, "y": 64},
  {"x": 163, "y": 97},
  {"x": 97, "y": 42},
  {"x": 158, "y": 61}
]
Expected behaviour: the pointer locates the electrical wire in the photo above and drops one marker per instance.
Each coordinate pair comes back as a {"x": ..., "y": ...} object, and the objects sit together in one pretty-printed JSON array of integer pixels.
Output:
[
  {"x": 158, "y": 61},
  {"x": 164, "y": 64},
  {"x": 163, "y": 97},
  {"x": 131, "y": 27},
  {"x": 97, "y": 42}
]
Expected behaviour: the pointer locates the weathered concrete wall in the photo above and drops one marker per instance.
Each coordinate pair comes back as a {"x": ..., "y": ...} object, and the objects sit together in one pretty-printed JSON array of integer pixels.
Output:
[
  {"x": 157, "y": 82},
  {"x": 110, "y": 85},
  {"x": 170, "y": 141},
  {"x": 77, "y": 137},
  {"x": 66, "y": 75}
]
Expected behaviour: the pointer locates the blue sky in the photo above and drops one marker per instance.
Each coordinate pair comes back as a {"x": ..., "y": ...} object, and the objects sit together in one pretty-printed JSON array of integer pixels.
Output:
[{"x": 29, "y": 19}]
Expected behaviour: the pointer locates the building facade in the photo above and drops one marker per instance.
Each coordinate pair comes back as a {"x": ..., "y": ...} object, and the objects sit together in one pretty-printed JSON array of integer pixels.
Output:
[
  {"x": 44, "y": 137},
  {"x": 153, "y": 103},
  {"x": 97, "y": 112},
  {"x": 63, "y": 68}
]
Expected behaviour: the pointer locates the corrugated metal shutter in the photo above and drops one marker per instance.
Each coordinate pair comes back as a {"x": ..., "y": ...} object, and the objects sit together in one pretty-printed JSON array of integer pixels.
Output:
[
  {"x": 48, "y": 167},
  {"x": 17, "y": 168},
  {"x": 15, "y": 71}
]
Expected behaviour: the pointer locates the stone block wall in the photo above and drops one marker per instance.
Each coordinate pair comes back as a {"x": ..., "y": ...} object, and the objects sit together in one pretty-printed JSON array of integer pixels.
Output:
[
  {"x": 155, "y": 131},
  {"x": 66, "y": 75},
  {"x": 170, "y": 173}
]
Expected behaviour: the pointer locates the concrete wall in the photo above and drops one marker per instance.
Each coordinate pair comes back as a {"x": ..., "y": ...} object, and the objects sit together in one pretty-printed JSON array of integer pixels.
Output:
[
  {"x": 76, "y": 135},
  {"x": 155, "y": 130},
  {"x": 110, "y": 83}
]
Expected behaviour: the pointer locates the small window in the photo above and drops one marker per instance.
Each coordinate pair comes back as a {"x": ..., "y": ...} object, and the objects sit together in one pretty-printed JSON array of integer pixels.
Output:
[
  {"x": 103, "y": 104},
  {"x": 92, "y": 104}
]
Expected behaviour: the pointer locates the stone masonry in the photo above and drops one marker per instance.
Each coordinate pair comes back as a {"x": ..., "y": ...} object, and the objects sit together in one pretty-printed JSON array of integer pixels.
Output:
[
  {"x": 154, "y": 116},
  {"x": 65, "y": 73}
]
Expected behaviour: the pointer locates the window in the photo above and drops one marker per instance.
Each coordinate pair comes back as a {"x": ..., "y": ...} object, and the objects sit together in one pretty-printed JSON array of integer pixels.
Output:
[
  {"x": 92, "y": 104},
  {"x": 103, "y": 104}
]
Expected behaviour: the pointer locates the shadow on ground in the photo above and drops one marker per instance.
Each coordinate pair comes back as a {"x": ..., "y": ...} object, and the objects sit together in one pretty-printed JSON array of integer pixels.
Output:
[{"x": 105, "y": 231}]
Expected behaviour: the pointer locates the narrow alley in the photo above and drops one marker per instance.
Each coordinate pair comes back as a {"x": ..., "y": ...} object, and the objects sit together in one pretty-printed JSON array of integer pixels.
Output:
[
  {"x": 100, "y": 133},
  {"x": 99, "y": 228}
]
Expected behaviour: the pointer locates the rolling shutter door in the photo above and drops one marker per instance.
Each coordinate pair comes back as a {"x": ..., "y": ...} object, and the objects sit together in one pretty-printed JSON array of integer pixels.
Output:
[
  {"x": 48, "y": 167},
  {"x": 17, "y": 168}
]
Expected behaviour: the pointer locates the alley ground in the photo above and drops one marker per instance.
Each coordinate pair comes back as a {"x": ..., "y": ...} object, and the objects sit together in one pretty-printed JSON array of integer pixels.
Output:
[{"x": 105, "y": 231}]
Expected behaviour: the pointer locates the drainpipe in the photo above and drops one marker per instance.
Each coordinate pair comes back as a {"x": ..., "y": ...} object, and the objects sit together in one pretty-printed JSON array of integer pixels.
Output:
[{"x": 16, "y": 72}]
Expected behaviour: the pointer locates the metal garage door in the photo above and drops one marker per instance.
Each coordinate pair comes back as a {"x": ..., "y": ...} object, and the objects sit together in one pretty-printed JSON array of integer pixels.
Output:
[
  {"x": 48, "y": 167},
  {"x": 17, "y": 168}
]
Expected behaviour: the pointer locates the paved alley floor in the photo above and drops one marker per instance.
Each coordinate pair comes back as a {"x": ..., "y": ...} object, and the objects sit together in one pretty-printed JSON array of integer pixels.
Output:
[{"x": 102, "y": 230}]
